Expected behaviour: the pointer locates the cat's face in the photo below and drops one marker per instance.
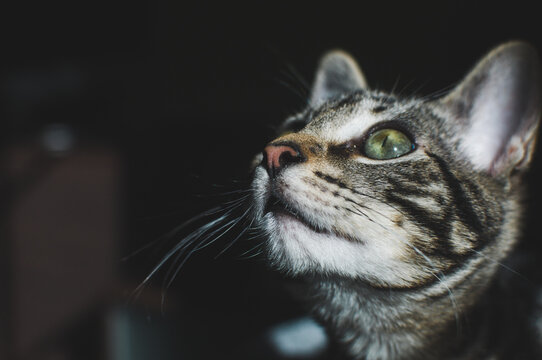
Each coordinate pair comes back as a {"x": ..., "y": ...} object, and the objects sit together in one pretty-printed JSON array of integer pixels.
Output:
[{"x": 396, "y": 192}]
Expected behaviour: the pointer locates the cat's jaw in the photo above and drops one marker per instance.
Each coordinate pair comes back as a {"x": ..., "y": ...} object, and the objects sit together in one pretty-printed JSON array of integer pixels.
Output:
[{"x": 306, "y": 237}]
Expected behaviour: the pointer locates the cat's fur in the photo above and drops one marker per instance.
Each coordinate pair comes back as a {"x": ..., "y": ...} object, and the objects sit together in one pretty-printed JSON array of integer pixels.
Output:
[{"x": 401, "y": 255}]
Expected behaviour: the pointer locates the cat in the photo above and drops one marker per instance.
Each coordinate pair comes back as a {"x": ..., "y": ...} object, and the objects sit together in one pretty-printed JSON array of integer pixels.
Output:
[
  {"x": 399, "y": 218},
  {"x": 398, "y": 214}
]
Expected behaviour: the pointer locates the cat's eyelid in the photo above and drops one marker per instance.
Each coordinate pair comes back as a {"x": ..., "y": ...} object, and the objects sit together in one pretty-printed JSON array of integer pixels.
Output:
[{"x": 390, "y": 124}]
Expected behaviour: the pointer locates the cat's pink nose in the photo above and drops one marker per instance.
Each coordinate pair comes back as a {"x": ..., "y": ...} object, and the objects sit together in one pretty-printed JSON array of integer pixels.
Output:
[{"x": 278, "y": 156}]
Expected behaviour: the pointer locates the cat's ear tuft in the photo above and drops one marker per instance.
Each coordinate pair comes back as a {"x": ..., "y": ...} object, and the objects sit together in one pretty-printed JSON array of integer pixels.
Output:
[
  {"x": 497, "y": 107},
  {"x": 337, "y": 74}
]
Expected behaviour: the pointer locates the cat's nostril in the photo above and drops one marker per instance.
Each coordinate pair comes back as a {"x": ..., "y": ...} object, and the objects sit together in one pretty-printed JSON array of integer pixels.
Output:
[{"x": 278, "y": 156}]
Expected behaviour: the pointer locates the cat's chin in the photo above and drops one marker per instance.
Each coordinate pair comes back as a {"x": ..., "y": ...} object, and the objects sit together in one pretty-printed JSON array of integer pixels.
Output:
[
  {"x": 284, "y": 213},
  {"x": 298, "y": 249}
]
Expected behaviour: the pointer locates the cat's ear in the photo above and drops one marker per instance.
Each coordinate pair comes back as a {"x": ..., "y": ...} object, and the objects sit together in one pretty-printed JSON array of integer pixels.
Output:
[
  {"x": 498, "y": 107},
  {"x": 337, "y": 74}
]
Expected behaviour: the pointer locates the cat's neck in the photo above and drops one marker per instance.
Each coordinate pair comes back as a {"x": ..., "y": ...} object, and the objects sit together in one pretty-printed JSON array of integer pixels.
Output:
[{"x": 381, "y": 324}]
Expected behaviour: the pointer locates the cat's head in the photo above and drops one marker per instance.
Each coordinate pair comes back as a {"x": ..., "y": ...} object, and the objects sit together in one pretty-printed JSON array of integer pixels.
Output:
[{"x": 397, "y": 191}]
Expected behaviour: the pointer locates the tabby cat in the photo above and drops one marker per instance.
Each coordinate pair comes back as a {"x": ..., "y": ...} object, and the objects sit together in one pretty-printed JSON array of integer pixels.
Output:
[{"x": 398, "y": 213}]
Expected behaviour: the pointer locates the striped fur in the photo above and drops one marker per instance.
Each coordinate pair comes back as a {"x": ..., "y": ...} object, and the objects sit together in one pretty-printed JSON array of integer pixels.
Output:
[{"x": 398, "y": 253}]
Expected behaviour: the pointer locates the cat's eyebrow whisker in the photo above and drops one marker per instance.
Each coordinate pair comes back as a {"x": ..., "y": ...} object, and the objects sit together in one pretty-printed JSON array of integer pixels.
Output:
[
  {"x": 436, "y": 94},
  {"x": 290, "y": 87},
  {"x": 294, "y": 81},
  {"x": 395, "y": 84},
  {"x": 404, "y": 89},
  {"x": 418, "y": 89},
  {"x": 298, "y": 77}
]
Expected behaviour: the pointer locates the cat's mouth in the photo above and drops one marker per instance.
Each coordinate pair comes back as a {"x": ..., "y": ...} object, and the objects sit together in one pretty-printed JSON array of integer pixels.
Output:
[{"x": 277, "y": 206}]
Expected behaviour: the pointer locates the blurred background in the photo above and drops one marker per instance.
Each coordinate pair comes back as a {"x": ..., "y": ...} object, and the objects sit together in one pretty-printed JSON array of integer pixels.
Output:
[{"x": 120, "y": 121}]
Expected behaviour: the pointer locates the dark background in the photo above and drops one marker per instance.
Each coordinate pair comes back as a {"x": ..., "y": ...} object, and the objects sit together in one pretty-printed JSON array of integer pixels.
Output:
[{"x": 161, "y": 108}]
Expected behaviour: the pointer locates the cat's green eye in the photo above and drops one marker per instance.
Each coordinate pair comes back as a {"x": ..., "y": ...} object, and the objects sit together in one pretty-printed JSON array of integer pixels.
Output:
[{"x": 387, "y": 144}]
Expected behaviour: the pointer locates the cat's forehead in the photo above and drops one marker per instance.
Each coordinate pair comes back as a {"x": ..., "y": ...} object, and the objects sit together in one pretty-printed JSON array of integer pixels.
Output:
[{"x": 353, "y": 116}]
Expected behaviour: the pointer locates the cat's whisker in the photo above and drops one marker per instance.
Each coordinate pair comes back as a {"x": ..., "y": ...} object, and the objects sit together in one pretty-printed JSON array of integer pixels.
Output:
[
  {"x": 183, "y": 243},
  {"x": 209, "y": 239},
  {"x": 245, "y": 254},
  {"x": 190, "y": 240},
  {"x": 245, "y": 229},
  {"x": 395, "y": 85},
  {"x": 360, "y": 213},
  {"x": 372, "y": 197},
  {"x": 296, "y": 81},
  {"x": 504, "y": 266},
  {"x": 237, "y": 202},
  {"x": 206, "y": 231},
  {"x": 441, "y": 280},
  {"x": 434, "y": 271},
  {"x": 175, "y": 230},
  {"x": 437, "y": 94},
  {"x": 299, "y": 78},
  {"x": 293, "y": 89},
  {"x": 358, "y": 205},
  {"x": 404, "y": 89},
  {"x": 252, "y": 256},
  {"x": 234, "y": 240},
  {"x": 293, "y": 80},
  {"x": 418, "y": 89},
  {"x": 216, "y": 210},
  {"x": 227, "y": 193}
]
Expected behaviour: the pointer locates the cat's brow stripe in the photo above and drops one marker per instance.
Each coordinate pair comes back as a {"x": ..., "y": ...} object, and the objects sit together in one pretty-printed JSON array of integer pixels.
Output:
[
  {"x": 464, "y": 206},
  {"x": 483, "y": 232}
]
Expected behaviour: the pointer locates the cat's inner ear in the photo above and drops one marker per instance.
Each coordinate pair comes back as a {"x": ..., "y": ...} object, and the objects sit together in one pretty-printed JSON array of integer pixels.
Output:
[
  {"x": 497, "y": 109},
  {"x": 337, "y": 74}
]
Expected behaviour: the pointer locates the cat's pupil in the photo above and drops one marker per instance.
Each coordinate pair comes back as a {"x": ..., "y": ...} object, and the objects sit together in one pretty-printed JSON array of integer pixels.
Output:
[{"x": 387, "y": 144}]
